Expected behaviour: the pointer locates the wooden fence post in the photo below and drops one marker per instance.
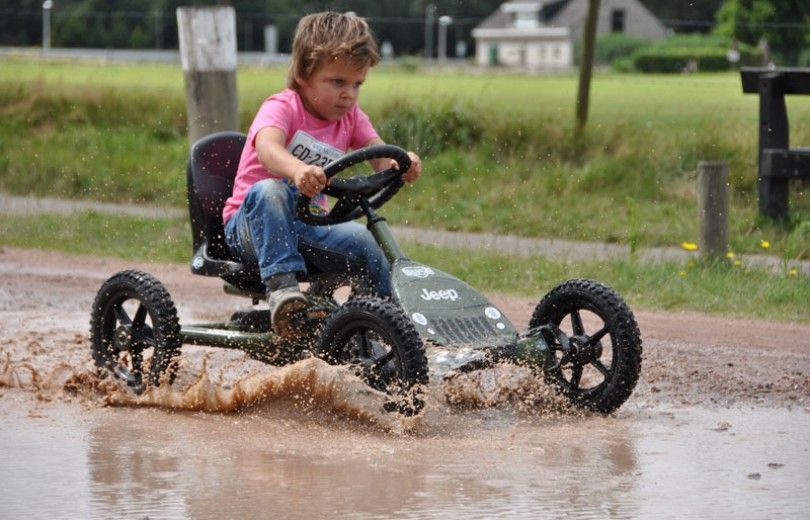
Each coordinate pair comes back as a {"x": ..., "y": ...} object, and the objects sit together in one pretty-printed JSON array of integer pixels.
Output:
[
  {"x": 208, "y": 55},
  {"x": 713, "y": 208}
]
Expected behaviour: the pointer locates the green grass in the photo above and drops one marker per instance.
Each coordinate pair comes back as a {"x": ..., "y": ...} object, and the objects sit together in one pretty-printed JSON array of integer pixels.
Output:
[
  {"x": 93, "y": 233},
  {"x": 713, "y": 289},
  {"x": 657, "y": 99},
  {"x": 498, "y": 149}
]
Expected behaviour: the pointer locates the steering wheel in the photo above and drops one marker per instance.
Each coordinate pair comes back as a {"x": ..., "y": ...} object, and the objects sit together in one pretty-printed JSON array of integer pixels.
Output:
[{"x": 375, "y": 190}]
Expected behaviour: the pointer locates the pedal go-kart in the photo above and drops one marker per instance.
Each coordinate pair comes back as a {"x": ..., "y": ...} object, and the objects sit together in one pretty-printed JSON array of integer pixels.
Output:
[{"x": 582, "y": 337}]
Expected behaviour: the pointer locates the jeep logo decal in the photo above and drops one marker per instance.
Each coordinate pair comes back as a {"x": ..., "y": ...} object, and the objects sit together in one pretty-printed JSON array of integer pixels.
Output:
[
  {"x": 444, "y": 294},
  {"x": 418, "y": 271}
]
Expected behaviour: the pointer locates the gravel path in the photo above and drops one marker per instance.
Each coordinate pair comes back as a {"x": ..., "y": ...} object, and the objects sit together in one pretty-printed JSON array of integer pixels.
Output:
[
  {"x": 689, "y": 358},
  {"x": 509, "y": 244}
]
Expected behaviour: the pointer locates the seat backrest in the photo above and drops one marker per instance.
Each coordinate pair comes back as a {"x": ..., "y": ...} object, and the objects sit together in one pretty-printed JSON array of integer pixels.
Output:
[{"x": 212, "y": 166}]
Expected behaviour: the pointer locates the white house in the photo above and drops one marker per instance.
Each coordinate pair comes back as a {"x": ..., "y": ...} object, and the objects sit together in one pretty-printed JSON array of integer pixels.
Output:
[{"x": 538, "y": 34}]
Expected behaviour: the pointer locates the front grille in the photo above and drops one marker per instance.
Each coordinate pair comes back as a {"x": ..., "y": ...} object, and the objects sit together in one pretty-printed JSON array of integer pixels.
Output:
[{"x": 465, "y": 330}]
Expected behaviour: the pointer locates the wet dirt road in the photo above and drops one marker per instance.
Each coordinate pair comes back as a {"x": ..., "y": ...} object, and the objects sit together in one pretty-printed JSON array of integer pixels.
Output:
[{"x": 719, "y": 425}]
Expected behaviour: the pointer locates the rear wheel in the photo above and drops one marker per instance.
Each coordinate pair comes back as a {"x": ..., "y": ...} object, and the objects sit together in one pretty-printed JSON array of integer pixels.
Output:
[
  {"x": 134, "y": 319},
  {"x": 597, "y": 353},
  {"x": 381, "y": 344}
]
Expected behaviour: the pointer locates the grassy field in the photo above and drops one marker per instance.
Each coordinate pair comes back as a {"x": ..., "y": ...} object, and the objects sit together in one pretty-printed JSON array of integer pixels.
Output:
[
  {"x": 498, "y": 150},
  {"x": 713, "y": 289},
  {"x": 616, "y": 98}
]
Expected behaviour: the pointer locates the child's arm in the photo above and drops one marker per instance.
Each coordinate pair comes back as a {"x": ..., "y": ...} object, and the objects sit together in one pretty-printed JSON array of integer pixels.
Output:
[
  {"x": 308, "y": 178},
  {"x": 381, "y": 164}
]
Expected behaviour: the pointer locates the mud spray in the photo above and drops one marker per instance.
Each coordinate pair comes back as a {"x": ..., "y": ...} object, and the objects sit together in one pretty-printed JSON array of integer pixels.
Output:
[{"x": 215, "y": 381}]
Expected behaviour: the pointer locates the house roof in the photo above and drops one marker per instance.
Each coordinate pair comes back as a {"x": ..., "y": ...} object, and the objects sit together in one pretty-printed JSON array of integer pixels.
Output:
[
  {"x": 497, "y": 20},
  {"x": 501, "y": 18},
  {"x": 550, "y": 9}
]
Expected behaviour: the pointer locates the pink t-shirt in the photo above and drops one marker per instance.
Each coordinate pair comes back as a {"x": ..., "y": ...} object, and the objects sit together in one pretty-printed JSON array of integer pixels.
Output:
[{"x": 309, "y": 138}]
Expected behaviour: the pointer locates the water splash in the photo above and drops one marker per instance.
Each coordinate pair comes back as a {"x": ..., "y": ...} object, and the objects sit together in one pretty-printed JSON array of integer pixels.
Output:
[
  {"x": 215, "y": 381},
  {"x": 308, "y": 384},
  {"x": 504, "y": 385}
]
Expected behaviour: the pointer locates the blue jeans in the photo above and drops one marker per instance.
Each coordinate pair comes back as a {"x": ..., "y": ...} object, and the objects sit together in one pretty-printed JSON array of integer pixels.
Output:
[{"x": 266, "y": 233}]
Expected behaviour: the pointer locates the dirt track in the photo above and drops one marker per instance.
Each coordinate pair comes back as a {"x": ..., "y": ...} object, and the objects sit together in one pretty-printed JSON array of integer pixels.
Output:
[
  {"x": 689, "y": 358},
  {"x": 720, "y": 416}
]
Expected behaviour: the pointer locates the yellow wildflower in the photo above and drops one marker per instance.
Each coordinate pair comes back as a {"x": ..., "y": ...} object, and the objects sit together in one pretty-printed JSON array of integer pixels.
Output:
[
  {"x": 730, "y": 255},
  {"x": 689, "y": 246},
  {"x": 764, "y": 244},
  {"x": 793, "y": 271}
]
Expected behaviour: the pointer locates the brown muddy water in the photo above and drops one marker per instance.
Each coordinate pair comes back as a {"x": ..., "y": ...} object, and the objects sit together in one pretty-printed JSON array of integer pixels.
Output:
[
  {"x": 273, "y": 461},
  {"x": 718, "y": 427}
]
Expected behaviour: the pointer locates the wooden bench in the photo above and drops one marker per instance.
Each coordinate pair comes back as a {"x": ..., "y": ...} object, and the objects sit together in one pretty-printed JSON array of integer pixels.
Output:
[{"x": 778, "y": 163}]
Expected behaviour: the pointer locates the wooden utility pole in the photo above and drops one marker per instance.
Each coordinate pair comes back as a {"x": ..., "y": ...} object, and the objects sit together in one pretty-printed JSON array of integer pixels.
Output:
[
  {"x": 586, "y": 66},
  {"x": 713, "y": 208},
  {"x": 208, "y": 55}
]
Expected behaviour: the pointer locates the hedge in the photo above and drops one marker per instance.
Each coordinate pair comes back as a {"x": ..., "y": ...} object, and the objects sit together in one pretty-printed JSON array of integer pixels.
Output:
[{"x": 677, "y": 59}]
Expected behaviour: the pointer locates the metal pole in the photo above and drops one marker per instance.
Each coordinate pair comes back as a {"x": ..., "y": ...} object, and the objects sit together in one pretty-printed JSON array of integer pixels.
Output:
[
  {"x": 46, "y": 25},
  {"x": 158, "y": 15},
  {"x": 382, "y": 233},
  {"x": 444, "y": 21},
  {"x": 430, "y": 12}
]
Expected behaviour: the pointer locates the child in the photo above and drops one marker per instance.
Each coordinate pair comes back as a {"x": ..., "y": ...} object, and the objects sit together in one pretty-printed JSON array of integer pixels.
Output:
[{"x": 294, "y": 135}]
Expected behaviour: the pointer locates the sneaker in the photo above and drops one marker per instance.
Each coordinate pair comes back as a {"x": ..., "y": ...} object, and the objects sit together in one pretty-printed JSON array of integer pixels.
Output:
[{"x": 285, "y": 303}]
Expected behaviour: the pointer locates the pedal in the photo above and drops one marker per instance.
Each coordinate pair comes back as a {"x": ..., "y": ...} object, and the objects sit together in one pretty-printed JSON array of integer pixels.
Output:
[
  {"x": 317, "y": 314},
  {"x": 251, "y": 320}
]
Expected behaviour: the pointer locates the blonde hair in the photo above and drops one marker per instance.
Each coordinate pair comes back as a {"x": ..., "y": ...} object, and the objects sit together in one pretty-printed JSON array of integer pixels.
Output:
[{"x": 330, "y": 35}]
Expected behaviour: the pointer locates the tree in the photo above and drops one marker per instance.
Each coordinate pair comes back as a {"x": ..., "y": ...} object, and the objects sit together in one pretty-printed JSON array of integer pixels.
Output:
[
  {"x": 784, "y": 24},
  {"x": 147, "y": 23},
  {"x": 586, "y": 66}
]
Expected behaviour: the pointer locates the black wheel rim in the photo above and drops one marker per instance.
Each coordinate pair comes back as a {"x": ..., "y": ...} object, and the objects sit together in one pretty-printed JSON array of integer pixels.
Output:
[
  {"x": 370, "y": 351},
  {"x": 584, "y": 359},
  {"x": 127, "y": 334}
]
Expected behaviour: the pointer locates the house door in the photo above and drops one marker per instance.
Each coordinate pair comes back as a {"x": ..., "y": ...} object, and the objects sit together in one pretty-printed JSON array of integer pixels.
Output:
[{"x": 493, "y": 54}]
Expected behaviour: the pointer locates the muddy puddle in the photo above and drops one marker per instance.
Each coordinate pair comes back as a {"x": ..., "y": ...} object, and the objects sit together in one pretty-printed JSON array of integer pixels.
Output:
[
  {"x": 275, "y": 461},
  {"x": 718, "y": 427},
  {"x": 233, "y": 437}
]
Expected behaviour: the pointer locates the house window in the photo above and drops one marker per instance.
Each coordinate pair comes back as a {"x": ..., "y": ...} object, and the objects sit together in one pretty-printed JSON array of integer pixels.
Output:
[
  {"x": 617, "y": 17},
  {"x": 526, "y": 20}
]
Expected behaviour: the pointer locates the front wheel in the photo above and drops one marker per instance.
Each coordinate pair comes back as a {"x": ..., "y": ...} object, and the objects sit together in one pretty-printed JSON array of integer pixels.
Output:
[
  {"x": 597, "y": 354},
  {"x": 381, "y": 344},
  {"x": 133, "y": 319}
]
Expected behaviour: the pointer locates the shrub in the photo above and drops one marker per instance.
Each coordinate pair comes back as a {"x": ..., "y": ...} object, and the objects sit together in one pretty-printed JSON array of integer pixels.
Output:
[
  {"x": 690, "y": 59},
  {"x": 429, "y": 127},
  {"x": 409, "y": 63},
  {"x": 691, "y": 53},
  {"x": 695, "y": 40},
  {"x": 624, "y": 64},
  {"x": 680, "y": 59},
  {"x": 612, "y": 47}
]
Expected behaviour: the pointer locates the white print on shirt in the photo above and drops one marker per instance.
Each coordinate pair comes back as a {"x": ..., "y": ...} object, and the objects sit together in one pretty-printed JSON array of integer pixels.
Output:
[{"x": 308, "y": 149}]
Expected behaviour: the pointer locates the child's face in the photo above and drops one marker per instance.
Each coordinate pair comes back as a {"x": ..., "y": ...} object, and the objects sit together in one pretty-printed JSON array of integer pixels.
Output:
[{"x": 332, "y": 90}]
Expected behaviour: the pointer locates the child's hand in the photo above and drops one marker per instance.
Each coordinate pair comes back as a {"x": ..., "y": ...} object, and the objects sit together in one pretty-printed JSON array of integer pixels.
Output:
[
  {"x": 309, "y": 179},
  {"x": 414, "y": 171}
]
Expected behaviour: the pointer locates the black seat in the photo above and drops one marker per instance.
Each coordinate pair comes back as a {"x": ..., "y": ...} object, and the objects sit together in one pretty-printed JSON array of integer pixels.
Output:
[
  {"x": 210, "y": 173},
  {"x": 211, "y": 170}
]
